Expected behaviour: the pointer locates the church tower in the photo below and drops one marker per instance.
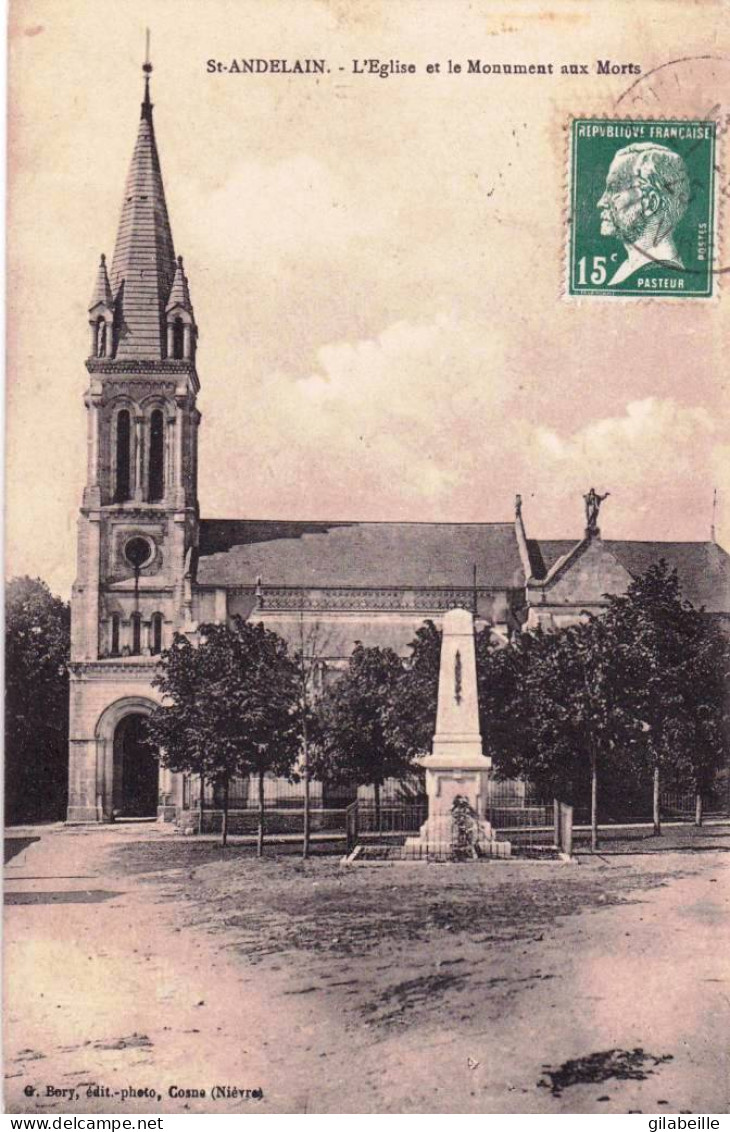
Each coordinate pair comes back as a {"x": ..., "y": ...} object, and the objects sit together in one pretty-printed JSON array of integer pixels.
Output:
[{"x": 138, "y": 527}]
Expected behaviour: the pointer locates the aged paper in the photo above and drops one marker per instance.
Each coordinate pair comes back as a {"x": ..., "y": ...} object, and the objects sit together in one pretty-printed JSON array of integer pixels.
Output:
[{"x": 436, "y": 255}]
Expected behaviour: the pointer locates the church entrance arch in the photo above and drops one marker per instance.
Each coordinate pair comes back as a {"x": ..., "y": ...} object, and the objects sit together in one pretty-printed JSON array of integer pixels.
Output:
[{"x": 128, "y": 764}]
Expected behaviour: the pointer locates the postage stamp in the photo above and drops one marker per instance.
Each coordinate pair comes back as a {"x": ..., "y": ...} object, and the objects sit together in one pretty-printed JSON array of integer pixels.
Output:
[{"x": 642, "y": 208}]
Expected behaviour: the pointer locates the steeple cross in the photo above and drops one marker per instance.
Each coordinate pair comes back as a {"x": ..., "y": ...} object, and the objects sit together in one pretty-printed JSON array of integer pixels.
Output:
[{"x": 147, "y": 68}]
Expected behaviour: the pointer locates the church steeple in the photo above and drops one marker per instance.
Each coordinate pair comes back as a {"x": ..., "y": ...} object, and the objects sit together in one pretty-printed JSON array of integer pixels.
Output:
[
  {"x": 143, "y": 267},
  {"x": 143, "y": 418}
]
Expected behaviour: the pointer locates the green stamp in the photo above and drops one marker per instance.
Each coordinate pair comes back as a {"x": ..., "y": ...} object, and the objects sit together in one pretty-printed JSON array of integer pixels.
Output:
[{"x": 642, "y": 208}]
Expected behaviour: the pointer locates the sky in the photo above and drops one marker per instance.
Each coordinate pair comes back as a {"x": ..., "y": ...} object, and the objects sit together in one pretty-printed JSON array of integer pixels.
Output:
[{"x": 376, "y": 264}]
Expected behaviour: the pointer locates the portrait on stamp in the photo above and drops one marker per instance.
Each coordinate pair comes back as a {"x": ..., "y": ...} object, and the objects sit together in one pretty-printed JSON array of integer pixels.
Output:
[{"x": 646, "y": 196}]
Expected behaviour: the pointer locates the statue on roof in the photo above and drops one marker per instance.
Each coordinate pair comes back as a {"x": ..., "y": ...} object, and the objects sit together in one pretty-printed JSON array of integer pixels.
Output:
[{"x": 593, "y": 503}]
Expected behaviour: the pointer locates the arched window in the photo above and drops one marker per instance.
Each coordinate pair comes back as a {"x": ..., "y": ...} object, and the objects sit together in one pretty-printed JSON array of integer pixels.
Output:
[
  {"x": 156, "y": 634},
  {"x": 157, "y": 456},
  {"x": 124, "y": 452},
  {"x": 100, "y": 332},
  {"x": 115, "y": 634},
  {"x": 178, "y": 339},
  {"x": 136, "y": 634}
]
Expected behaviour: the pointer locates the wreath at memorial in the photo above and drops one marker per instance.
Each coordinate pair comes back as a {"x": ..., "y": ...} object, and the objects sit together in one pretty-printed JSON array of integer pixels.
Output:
[{"x": 464, "y": 829}]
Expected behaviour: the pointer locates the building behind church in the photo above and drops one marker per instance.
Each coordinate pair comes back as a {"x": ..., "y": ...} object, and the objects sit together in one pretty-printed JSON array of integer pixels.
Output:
[{"x": 149, "y": 566}]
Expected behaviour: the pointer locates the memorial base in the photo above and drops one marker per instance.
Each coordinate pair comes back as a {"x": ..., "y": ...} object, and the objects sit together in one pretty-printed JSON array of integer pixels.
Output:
[{"x": 450, "y": 776}]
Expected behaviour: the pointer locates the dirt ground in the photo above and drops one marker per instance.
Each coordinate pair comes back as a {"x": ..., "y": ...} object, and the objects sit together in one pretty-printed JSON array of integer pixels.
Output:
[{"x": 136, "y": 960}]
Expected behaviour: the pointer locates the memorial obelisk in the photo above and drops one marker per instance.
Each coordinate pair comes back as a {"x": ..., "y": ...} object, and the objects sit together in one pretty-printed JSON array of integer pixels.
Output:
[{"x": 456, "y": 766}]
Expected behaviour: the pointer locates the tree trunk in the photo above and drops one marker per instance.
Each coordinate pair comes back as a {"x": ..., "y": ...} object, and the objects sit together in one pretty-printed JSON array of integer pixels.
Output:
[
  {"x": 201, "y": 804},
  {"x": 306, "y": 831},
  {"x": 698, "y": 807},
  {"x": 594, "y": 802},
  {"x": 224, "y": 823},
  {"x": 260, "y": 838},
  {"x": 376, "y": 790},
  {"x": 656, "y": 810}
]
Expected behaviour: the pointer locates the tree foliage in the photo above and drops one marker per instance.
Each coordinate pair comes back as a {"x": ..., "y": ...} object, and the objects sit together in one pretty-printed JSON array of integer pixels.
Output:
[
  {"x": 676, "y": 682},
  {"x": 359, "y": 744},
  {"x": 411, "y": 710},
  {"x": 551, "y": 708},
  {"x": 36, "y": 701},
  {"x": 501, "y": 674},
  {"x": 231, "y": 707}
]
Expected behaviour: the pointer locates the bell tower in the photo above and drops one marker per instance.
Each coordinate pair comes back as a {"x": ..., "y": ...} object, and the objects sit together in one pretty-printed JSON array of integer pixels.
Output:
[{"x": 138, "y": 526}]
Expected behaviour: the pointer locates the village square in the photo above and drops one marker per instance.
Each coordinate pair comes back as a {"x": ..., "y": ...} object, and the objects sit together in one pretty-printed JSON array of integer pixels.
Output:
[{"x": 351, "y": 816}]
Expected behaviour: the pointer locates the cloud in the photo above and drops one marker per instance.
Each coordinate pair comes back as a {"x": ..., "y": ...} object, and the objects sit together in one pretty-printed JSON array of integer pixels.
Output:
[
  {"x": 424, "y": 421},
  {"x": 658, "y": 459},
  {"x": 292, "y": 210},
  {"x": 381, "y": 424},
  {"x": 653, "y": 436}
]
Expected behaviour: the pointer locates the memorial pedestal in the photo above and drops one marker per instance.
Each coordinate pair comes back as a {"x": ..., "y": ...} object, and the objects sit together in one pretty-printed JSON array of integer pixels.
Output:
[{"x": 444, "y": 784}]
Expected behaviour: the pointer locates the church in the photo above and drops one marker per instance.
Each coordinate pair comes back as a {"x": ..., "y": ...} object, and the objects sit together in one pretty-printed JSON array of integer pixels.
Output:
[{"x": 149, "y": 566}]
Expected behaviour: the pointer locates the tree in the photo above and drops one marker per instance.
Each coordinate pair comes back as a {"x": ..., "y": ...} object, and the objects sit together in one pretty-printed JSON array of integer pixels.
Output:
[
  {"x": 359, "y": 744},
  {"x": 310, "y": 650},
  {"x": 707, "y": 710},
  {"x": 410, "y": 718},
  {"x": 676, "y": 685},
  {"x": 36, "y": 701},
  {"x": 551, "y": 708},
  {"x": 231, "y": 707},
  {"x": 501, "y": 687}
]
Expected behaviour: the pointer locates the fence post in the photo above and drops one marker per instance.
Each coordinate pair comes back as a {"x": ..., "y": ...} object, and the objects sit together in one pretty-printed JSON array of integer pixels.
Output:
[
  {"x": 351, "y": 825},
  {"x": 566, "y": 829},
  {"x": 556, "y": 823}
]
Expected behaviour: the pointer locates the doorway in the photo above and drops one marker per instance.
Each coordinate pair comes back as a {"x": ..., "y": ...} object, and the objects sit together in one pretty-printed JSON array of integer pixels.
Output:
[{"x": 136, "y": 770}]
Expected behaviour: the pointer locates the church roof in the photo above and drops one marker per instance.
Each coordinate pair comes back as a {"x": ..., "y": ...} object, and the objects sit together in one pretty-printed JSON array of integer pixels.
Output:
[
  {"x": 703, "y": 568},
  {"x": 321, "y": 554},
  {"x": 143, "y": 268},
  {"x": 358, "y": 554}
]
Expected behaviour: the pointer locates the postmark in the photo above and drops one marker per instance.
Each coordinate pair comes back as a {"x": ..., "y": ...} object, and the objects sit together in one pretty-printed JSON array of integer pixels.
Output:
[{"x": 642, "y": 208}]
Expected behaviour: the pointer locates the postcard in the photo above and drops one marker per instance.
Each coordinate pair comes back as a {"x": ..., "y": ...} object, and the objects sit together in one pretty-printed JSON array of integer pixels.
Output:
[{"x": 367, "y": 534}]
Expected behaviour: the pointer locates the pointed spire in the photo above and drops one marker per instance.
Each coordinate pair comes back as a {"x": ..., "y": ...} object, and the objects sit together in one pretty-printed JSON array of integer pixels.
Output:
[
  {"x": 102, "y": 291},
  {"x": 523, "y": 544},
  {"x": 180, "y": 293},
  {"x": 143, "y": 267}
]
